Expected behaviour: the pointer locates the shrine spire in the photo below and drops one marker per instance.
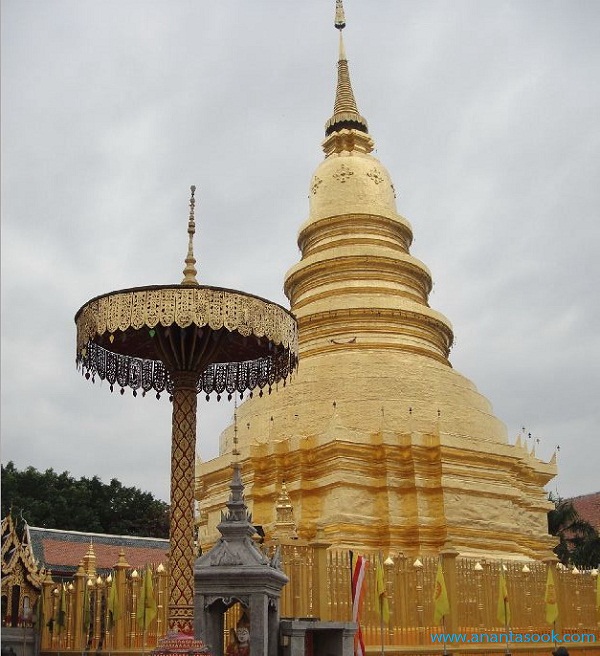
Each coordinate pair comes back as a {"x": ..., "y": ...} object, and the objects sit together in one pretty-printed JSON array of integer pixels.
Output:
[
  {"x": 189, "y": 272},
  {"x": 345, "y": 111}
]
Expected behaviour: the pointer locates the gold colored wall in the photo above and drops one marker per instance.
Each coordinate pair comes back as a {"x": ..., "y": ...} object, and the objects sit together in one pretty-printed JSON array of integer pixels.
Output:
[{"x": 382, "y": 468}]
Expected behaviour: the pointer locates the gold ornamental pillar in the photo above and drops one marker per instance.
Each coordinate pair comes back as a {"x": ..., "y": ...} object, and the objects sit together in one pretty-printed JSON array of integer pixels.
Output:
[
  {"x": 184, "y": 340},
  {"x": 80, "y": 580},
  {"x": 181, "y": 533},
  {"x": 46, "y": 591},
  {"x": 120, "y": 580},
  {"x": 321, "y": 599},
  {"x": 449, "y": 555}
]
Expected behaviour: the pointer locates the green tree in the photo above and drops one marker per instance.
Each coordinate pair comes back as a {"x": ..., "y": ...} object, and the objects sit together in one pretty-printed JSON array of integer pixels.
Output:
[
  {"x": 579, "y": 542},
  {"x": 51, "y": 500}
]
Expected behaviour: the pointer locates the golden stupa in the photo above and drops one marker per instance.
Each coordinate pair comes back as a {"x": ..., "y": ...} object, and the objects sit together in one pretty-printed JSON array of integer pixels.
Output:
[{"x": 380, "y": 443}]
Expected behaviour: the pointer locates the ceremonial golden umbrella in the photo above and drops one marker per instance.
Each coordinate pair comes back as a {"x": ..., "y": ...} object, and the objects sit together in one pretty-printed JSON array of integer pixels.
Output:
[{"x": 185, "y": 340}]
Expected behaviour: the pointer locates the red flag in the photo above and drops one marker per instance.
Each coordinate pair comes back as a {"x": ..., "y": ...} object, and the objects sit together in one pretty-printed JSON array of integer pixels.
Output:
[{"x": 359, "y": 567}]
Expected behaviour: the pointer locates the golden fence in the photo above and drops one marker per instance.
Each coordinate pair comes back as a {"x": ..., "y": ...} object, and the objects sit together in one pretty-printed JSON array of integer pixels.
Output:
[
  {"x": 473, "y": 591},
  {"x": 77, "y": 616},
  {"x": 320, "y": 587}
]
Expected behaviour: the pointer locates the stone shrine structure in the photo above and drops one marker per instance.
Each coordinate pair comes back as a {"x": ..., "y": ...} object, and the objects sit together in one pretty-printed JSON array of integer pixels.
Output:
[
  {"x": 380, "y": 442},
  {"x": 234, "y": 571}
]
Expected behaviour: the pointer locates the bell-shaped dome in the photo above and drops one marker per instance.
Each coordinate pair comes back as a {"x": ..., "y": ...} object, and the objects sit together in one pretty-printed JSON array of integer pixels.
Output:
[
  {"x": 350, "y": 182},
  {"x": 357, "y": 285}
]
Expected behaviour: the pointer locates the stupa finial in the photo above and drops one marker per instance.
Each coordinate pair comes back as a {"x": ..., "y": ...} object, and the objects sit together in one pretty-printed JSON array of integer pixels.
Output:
[
  {"x": 340, "y": 17},
  {"x": 189, "y": 271},
  {"x": 345, "y": 111}
]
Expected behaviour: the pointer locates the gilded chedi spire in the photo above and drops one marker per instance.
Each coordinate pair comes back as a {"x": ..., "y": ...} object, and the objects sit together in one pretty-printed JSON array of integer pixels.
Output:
[
  {"x": 416, "y": 458},
  {"x": 345, "y": 111},
  {"x": 357, "y": 280},
  {"x": 340, "y": 16}
]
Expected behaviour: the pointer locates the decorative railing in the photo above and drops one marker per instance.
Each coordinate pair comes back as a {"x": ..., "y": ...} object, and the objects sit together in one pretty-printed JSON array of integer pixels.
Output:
[
  {"x": 473, "y": 590},
  {"x": 319, "y": 587}
]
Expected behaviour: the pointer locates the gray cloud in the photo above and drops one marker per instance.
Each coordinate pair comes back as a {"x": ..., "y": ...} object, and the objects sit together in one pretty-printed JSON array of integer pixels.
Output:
[{"x": 484, "y": 113}]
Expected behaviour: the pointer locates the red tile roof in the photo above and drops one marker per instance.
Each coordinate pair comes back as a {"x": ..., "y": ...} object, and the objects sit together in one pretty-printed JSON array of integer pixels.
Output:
[
  {"x": 588, "y": 508},
  {"x": 62, "y": 551},
  {"x": 69, "y": 553}
]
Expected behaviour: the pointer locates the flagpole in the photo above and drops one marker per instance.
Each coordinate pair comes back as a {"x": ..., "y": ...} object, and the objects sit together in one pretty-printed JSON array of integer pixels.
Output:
[
  {"x": 25, "y": 635},
  {"x": 84, "y": 614},
  {"x": 441, "y": 603},
  {"x": 146, "y": 573},
  {"x": 381, "y": 622},
  {"x": 445, "y": 652},
  {"x": 111, "y": 624},
  {"x": 357, "y": 582},
  {"x": 84, "y": 637},
  {"x": 506, "y": 627},
  {"x": 351, "y": 575},
  {"x": 380, "y": 601}
]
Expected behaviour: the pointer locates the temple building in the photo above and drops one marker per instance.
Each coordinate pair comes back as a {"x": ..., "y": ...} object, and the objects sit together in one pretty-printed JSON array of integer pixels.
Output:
[
  {"x": 22, "y": 576},
  {"x": 378, "y": 441}
]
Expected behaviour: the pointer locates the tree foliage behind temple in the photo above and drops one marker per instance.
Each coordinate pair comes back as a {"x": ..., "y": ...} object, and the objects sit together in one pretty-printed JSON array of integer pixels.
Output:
[
  {"x": 51, "y": 500},
  {"x": 579, "y": 541}
]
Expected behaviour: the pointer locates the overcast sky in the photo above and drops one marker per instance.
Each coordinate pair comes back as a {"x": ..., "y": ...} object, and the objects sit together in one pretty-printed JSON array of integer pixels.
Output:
[{"x": 485, "y": 112}]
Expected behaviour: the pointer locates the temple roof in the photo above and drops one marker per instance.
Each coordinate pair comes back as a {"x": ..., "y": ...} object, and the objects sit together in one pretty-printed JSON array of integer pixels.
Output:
[
  {"x": 62, "y": 551},
  {"x": 588, "y": 508},
  {"x": 17, "y": 553}
]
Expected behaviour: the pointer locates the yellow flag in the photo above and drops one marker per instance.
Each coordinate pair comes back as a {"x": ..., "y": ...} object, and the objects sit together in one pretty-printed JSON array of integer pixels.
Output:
[
  {"x": 114, "y": 608},
  {"x": 503, "y": 612},
  {"x": 441, "y": 605},
  {"x": 87, "y": 616},
  {"x": 146, "y": 608},
  {"x": 40, "y": 611},
  {"x": 550, "y": 598},
  {"x": 62, "y": 610},
  {"x": 381, "y": 599}
]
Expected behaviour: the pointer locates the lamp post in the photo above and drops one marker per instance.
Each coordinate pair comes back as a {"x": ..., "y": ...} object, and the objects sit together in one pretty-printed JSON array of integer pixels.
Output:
[
  {"x": 135, "y": 580},
  {"x": 478, "y": 568},
  {"x": 162, "y": 575},
  {"x": 577, "y": 573},
  {"x": 388, "y": 564},
  {"x": 418, "y": 567},
  {"x": 525, "y": 570},
  {"x": 70, "y": 592},
  {"x": 55, "y": 594},
  {"x": 89, "y": 612}
]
